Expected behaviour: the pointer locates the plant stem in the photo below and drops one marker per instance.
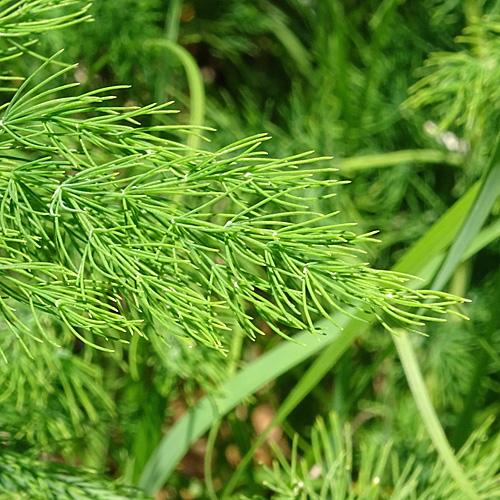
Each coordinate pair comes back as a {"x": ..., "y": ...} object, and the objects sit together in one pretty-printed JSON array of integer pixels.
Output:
[{"x": 428, "y": 414}]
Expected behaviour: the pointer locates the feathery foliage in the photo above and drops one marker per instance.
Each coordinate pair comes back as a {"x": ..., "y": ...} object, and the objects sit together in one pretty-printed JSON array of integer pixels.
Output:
[
  {"x": 125, "y": 227},
  {"x": 136, "y": 256},
  {"x": 337, "y": 467},
  {"x": 24, "y": 477}
]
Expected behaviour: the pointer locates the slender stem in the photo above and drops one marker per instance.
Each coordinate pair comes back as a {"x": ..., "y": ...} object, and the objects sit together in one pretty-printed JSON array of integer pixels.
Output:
[
  {"x": 207, "y": 461},
  {"x": 234, "y": 358},
  {"x": 428, "y": 414},
  {"x": 171, "y": 33}
]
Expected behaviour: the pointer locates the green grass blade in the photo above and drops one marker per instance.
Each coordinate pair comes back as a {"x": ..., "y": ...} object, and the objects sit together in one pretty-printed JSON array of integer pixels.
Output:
[
  {"x": 210, "y": 408},
  {"x": 439, "y": 236},
  {"x": 490, "y": 189},
  {"x": 355, "y": 164},
  {"x": 195, "y": 84},
  {"x": 291, "y": 43},
  {"x": 171, "y": 33},
  {"x": 484, "y": 238},
  {"x": 428, "y": 414},
  {"x": 332, "y": 352}
]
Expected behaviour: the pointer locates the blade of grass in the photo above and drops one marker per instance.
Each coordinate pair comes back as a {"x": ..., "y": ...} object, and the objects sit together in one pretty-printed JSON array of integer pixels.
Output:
[
  {"x": 290, "y": 42},
  {"x": 428, "y": 414},
  {"x": 490, "y": 189},
  {"x": 209, "y": 409},
  {"x": 321, "y": 366},
  {"x": 171, "y": 31},
  {"x": 195, "y": 84},
  {"x": 350, "y": 166},
  {"x": 484, "y": 238},
  {"x": 439, "y": 236}
]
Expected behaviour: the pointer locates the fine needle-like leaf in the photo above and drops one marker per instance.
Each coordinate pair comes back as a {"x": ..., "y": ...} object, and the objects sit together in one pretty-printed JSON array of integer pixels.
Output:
[{"x": 277, "y": 361}]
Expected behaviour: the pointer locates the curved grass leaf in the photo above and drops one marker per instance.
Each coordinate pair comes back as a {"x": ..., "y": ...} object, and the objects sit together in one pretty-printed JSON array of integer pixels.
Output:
[{"x": 195, "y": 84}]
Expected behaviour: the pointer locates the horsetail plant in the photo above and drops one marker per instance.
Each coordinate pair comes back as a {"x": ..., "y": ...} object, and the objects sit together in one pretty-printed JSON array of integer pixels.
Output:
[
  {"x": 110, "y": 226},
  {"x": 117, "y": 230}
]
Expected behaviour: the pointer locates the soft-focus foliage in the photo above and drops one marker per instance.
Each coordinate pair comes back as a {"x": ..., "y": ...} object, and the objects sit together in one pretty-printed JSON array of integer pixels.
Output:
[{"x": 338, "y": 468}]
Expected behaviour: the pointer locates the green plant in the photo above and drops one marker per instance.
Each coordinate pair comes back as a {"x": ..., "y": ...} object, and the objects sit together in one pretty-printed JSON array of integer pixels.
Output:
[
  {"x": 134, "y": 262},
  {"x": 338, "y": 466}
]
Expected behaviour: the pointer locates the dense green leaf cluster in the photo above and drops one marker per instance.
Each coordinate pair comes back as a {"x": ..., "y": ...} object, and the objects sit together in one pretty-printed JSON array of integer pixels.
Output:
[
  {"x": 108, "y": 226},
  {"x": 327, "y": 472},
  {"x": 24, "y": 477},
  {"x": 133, "y": 252}
]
